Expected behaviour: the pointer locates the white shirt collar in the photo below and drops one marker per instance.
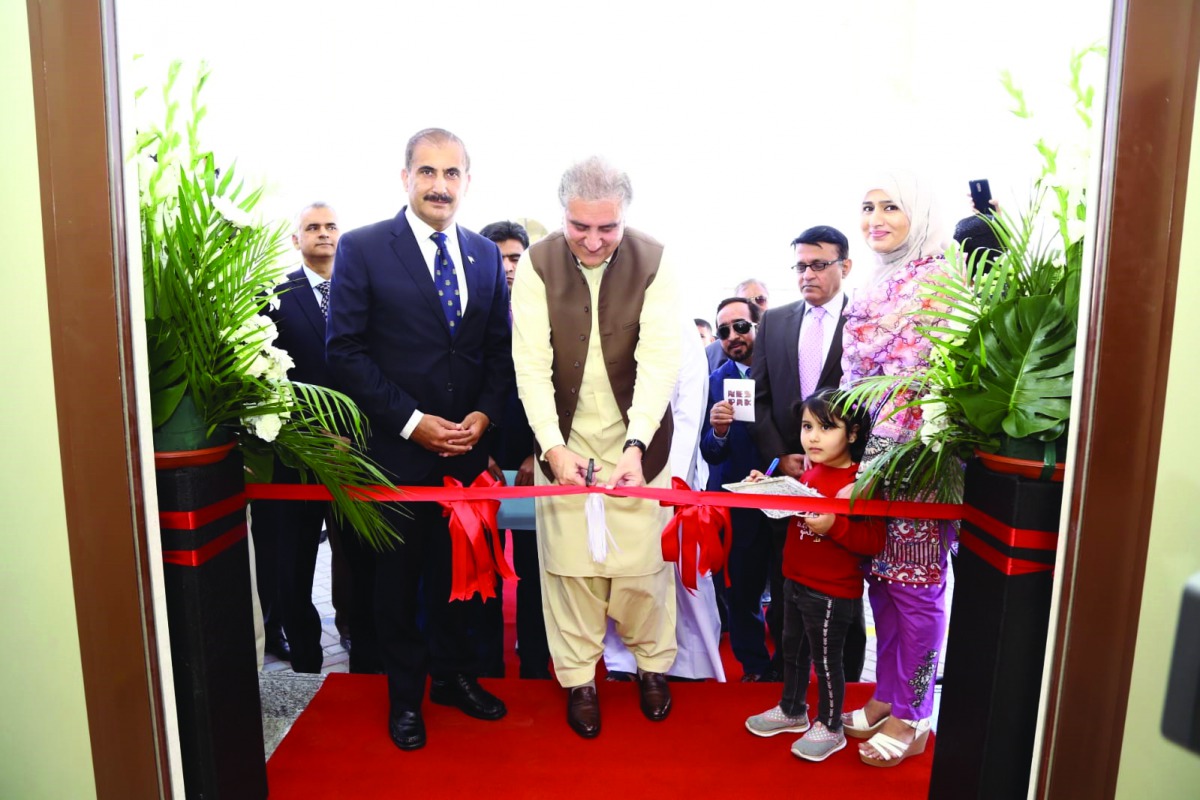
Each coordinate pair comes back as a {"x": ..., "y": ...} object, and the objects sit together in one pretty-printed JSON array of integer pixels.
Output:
[
  {"x": 313, "y": 278},
  {"x": 422, "y": 230},
  {"x": 833, "y": 308}
]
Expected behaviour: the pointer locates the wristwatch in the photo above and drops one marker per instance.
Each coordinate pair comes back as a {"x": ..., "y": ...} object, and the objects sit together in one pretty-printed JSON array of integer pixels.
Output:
[{"x": 638, "y": 443}]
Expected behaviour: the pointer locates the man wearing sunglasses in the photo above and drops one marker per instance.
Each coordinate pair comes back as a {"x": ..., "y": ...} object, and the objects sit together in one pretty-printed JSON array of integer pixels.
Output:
[
  {"x": 799, "y": 352},
  {"x": 756, "y": 292},
  {"x": 731, "y": 453}
]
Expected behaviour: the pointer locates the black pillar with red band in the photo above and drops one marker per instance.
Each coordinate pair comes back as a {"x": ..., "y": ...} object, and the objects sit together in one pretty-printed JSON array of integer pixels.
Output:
[
  {"x": 207, "y": 579},
  {"x": 1003, "y": 579}
]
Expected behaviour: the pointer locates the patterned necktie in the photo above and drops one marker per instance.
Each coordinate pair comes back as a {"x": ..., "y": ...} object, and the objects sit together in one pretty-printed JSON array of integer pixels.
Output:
[
  {"x": 446, "y": 282},
  {"x": 323, "y": 288},
  {"x": 812, "y": 350}
]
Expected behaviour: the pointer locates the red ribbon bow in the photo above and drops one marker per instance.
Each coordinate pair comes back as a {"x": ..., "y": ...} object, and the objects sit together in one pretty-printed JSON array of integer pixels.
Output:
[
  {"x": 693, "y": 538},
  {"x": 476, "y": 556}
]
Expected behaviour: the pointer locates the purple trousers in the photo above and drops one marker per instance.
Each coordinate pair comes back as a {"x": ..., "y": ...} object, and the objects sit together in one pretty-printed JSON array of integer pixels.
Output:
[{"x": 910, "y": 625}]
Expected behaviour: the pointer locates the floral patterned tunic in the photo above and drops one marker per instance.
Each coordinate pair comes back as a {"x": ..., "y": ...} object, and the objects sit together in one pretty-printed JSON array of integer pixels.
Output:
[{"x": 881, "y": 338}]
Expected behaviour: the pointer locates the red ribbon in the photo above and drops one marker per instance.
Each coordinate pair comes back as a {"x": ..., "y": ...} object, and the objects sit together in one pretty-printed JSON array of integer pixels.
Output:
[
  {"x": 1007, "y": 565},
  {"x": 194, "y": 558},
  {"x": 674, "y": 497},
  {"x": 191, "y": 520},
  {"x": 693, "y": 538},
  {"x": 475, "y": 552}
]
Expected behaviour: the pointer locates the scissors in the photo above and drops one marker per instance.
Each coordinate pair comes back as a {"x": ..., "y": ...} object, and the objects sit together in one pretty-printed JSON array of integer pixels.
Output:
[{"x": 591, "y": 472}]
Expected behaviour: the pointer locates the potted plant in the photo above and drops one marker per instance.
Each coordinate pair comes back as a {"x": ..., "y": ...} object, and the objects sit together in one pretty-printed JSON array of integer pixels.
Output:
[{"x": 216, "y": 379}]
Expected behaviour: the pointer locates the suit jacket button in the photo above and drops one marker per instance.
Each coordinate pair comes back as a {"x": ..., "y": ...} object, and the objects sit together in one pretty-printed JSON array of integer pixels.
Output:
[
  {"x": 576, "y": 365},
  {"x": 449, "y": 387},
  {"x": 585, "y": 309},
  {"x": 572, "y": 391},
  {"x": 582, "y": 337}
]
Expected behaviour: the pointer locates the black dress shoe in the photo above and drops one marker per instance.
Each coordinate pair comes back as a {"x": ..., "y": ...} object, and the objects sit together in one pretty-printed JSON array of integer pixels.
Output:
[
  {"x": 279, "y": 648},
  {"x": 619, "y": 676},
  {"x": 583, "y": 711},
  {"x": 465, "y": 694},
  {"x": 656, "y": 696},
  {"x": 407, "y": 730}
]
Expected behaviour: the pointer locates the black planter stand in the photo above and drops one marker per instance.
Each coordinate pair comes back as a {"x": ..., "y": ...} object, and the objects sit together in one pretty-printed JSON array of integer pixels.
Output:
[
  {"x": 996, "y": 648},
  {"x": 207, "y": 580}
]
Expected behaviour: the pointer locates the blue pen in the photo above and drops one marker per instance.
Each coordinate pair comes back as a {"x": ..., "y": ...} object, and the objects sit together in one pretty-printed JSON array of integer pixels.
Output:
[{"x": 771, "y": 468}]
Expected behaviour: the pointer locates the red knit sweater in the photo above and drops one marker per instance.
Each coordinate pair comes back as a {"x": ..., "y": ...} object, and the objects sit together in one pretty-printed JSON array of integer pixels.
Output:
[{"x": 833, "y": 564}]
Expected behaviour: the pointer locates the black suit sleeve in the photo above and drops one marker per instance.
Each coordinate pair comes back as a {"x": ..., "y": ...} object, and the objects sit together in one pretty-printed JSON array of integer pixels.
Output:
[
  {"x": 498, "y": 364},
  {"x": 765, "y": 431}
]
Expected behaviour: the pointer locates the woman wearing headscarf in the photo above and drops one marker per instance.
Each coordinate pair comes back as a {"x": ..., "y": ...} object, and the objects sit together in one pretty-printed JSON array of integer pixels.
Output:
[{"x": 908, "y": 579}]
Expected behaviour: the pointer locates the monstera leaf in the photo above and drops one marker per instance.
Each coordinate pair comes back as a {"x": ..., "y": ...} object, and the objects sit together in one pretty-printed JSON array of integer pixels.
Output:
[{"x": 1026, "y": 350}]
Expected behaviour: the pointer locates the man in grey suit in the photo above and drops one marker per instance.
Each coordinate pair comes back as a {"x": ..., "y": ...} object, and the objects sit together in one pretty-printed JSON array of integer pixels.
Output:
[{"x": 798, "y": 351}]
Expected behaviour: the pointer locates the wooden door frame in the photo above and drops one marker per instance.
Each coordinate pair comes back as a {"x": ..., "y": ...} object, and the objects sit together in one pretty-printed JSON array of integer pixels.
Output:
[{"x": 1148, "y": 134}]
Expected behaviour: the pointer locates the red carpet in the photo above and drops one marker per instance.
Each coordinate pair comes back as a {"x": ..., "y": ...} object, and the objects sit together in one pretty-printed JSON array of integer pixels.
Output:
[{"x": 339, "y": 748}]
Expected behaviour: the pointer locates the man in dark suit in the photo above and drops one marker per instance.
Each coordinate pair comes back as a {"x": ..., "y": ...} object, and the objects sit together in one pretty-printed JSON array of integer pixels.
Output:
[
  {"x": 800, "y": 351},
  {"x": 728, "y": 447},
  {"x": 419, "y": 337},
  {"x": 287, "y": 533}
]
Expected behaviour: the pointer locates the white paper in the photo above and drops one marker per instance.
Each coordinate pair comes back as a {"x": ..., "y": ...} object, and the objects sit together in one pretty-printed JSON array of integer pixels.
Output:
[
  {"x": 740, "y": 394},
  {"x": 781, "y": 485}
]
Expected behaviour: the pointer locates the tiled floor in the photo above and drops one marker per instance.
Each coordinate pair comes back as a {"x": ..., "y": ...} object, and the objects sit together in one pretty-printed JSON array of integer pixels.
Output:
[{"x": 336, "y": 658}]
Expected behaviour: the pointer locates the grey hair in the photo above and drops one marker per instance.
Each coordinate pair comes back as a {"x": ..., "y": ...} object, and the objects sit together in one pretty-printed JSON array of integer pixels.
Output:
[
  {"x": 594, "y": 179},
  {"x": 744, "y": 285},
  {"x": 300, "y": 214},
  {"x": 435, "y": 136}
]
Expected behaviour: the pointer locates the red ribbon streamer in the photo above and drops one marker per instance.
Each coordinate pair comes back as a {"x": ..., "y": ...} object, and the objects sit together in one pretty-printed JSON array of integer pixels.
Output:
[
  {"x": 191, "y": 520},
  {"x": 475, "y": 551},
  {"x": 194, "y": 558},
  {"x": 693, "y": 538}
]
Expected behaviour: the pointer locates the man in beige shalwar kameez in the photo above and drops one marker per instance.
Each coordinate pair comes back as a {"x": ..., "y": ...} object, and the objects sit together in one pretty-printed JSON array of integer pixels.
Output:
[{"x": 596, "y": 347}]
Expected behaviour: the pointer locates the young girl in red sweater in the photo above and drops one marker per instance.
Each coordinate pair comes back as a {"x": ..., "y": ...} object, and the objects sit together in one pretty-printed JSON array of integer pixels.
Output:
[{"x": 824, "y": 562}]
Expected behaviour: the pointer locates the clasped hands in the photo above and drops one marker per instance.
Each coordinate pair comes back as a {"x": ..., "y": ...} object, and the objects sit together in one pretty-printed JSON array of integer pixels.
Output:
[
  {"x": 570, "y": 469},
  {"x": 448, "y": 438}
]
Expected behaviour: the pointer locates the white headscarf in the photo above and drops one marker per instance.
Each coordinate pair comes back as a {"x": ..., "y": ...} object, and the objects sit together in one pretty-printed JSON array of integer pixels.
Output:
[{"x": 926, "y": 236}]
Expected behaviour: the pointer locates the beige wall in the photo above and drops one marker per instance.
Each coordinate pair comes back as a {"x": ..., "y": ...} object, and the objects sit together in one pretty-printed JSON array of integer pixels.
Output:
[
  {"x": 1152, "y": 767},
  {"x": 45, "y": 751}
]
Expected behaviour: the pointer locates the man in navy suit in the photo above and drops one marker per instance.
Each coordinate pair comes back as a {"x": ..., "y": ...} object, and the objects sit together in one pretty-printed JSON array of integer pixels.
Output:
[
  {"x": 419, "y": 337},
  {"x": 799, "y": 352},
  {"x": 287, "y": 533},
  {"x": 729, "y": 449}
]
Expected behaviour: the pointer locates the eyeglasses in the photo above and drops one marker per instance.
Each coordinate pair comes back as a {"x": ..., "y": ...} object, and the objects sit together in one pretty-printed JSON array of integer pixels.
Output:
[
  {"x": 741, "y": 326},
  {"x": 758, "y": 300},
  {"x": 815, "y": 266}
]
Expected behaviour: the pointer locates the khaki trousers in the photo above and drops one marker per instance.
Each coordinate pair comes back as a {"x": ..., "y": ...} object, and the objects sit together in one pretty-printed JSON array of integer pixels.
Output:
[{"x": 577, "y": 611}]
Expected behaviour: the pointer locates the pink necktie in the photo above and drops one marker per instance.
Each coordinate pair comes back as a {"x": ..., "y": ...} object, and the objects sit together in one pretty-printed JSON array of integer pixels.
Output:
[{"x": 812, "y": 350}]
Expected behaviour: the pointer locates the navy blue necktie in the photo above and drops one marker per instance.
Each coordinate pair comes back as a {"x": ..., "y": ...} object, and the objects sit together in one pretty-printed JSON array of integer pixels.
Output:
[{"x": 446, "y": 282}]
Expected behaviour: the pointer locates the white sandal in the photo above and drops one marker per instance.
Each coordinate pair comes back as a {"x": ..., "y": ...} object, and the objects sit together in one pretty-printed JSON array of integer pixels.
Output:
[
  {"x": 890, "y": 751},
  {"x": 855, "y": 724}
]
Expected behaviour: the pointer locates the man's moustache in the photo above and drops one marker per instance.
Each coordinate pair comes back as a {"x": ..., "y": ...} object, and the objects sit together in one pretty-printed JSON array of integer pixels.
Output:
[{"x": 438, "y": 198}]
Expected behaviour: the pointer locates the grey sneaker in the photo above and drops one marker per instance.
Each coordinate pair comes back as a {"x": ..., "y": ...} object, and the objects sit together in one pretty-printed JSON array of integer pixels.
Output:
[
  {"x": 819, "y": 743},
  {"x": 775, "y": 721}
]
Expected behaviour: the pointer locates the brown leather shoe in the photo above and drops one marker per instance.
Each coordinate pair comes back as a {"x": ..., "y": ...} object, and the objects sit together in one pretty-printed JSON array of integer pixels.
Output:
[
  {"x": 583, "y": 711},
  {"x": 656, "y": 696}
]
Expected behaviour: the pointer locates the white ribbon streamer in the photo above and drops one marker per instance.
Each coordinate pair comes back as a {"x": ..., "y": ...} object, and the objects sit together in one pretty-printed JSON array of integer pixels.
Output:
[{"x": 598, "y": 534}]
